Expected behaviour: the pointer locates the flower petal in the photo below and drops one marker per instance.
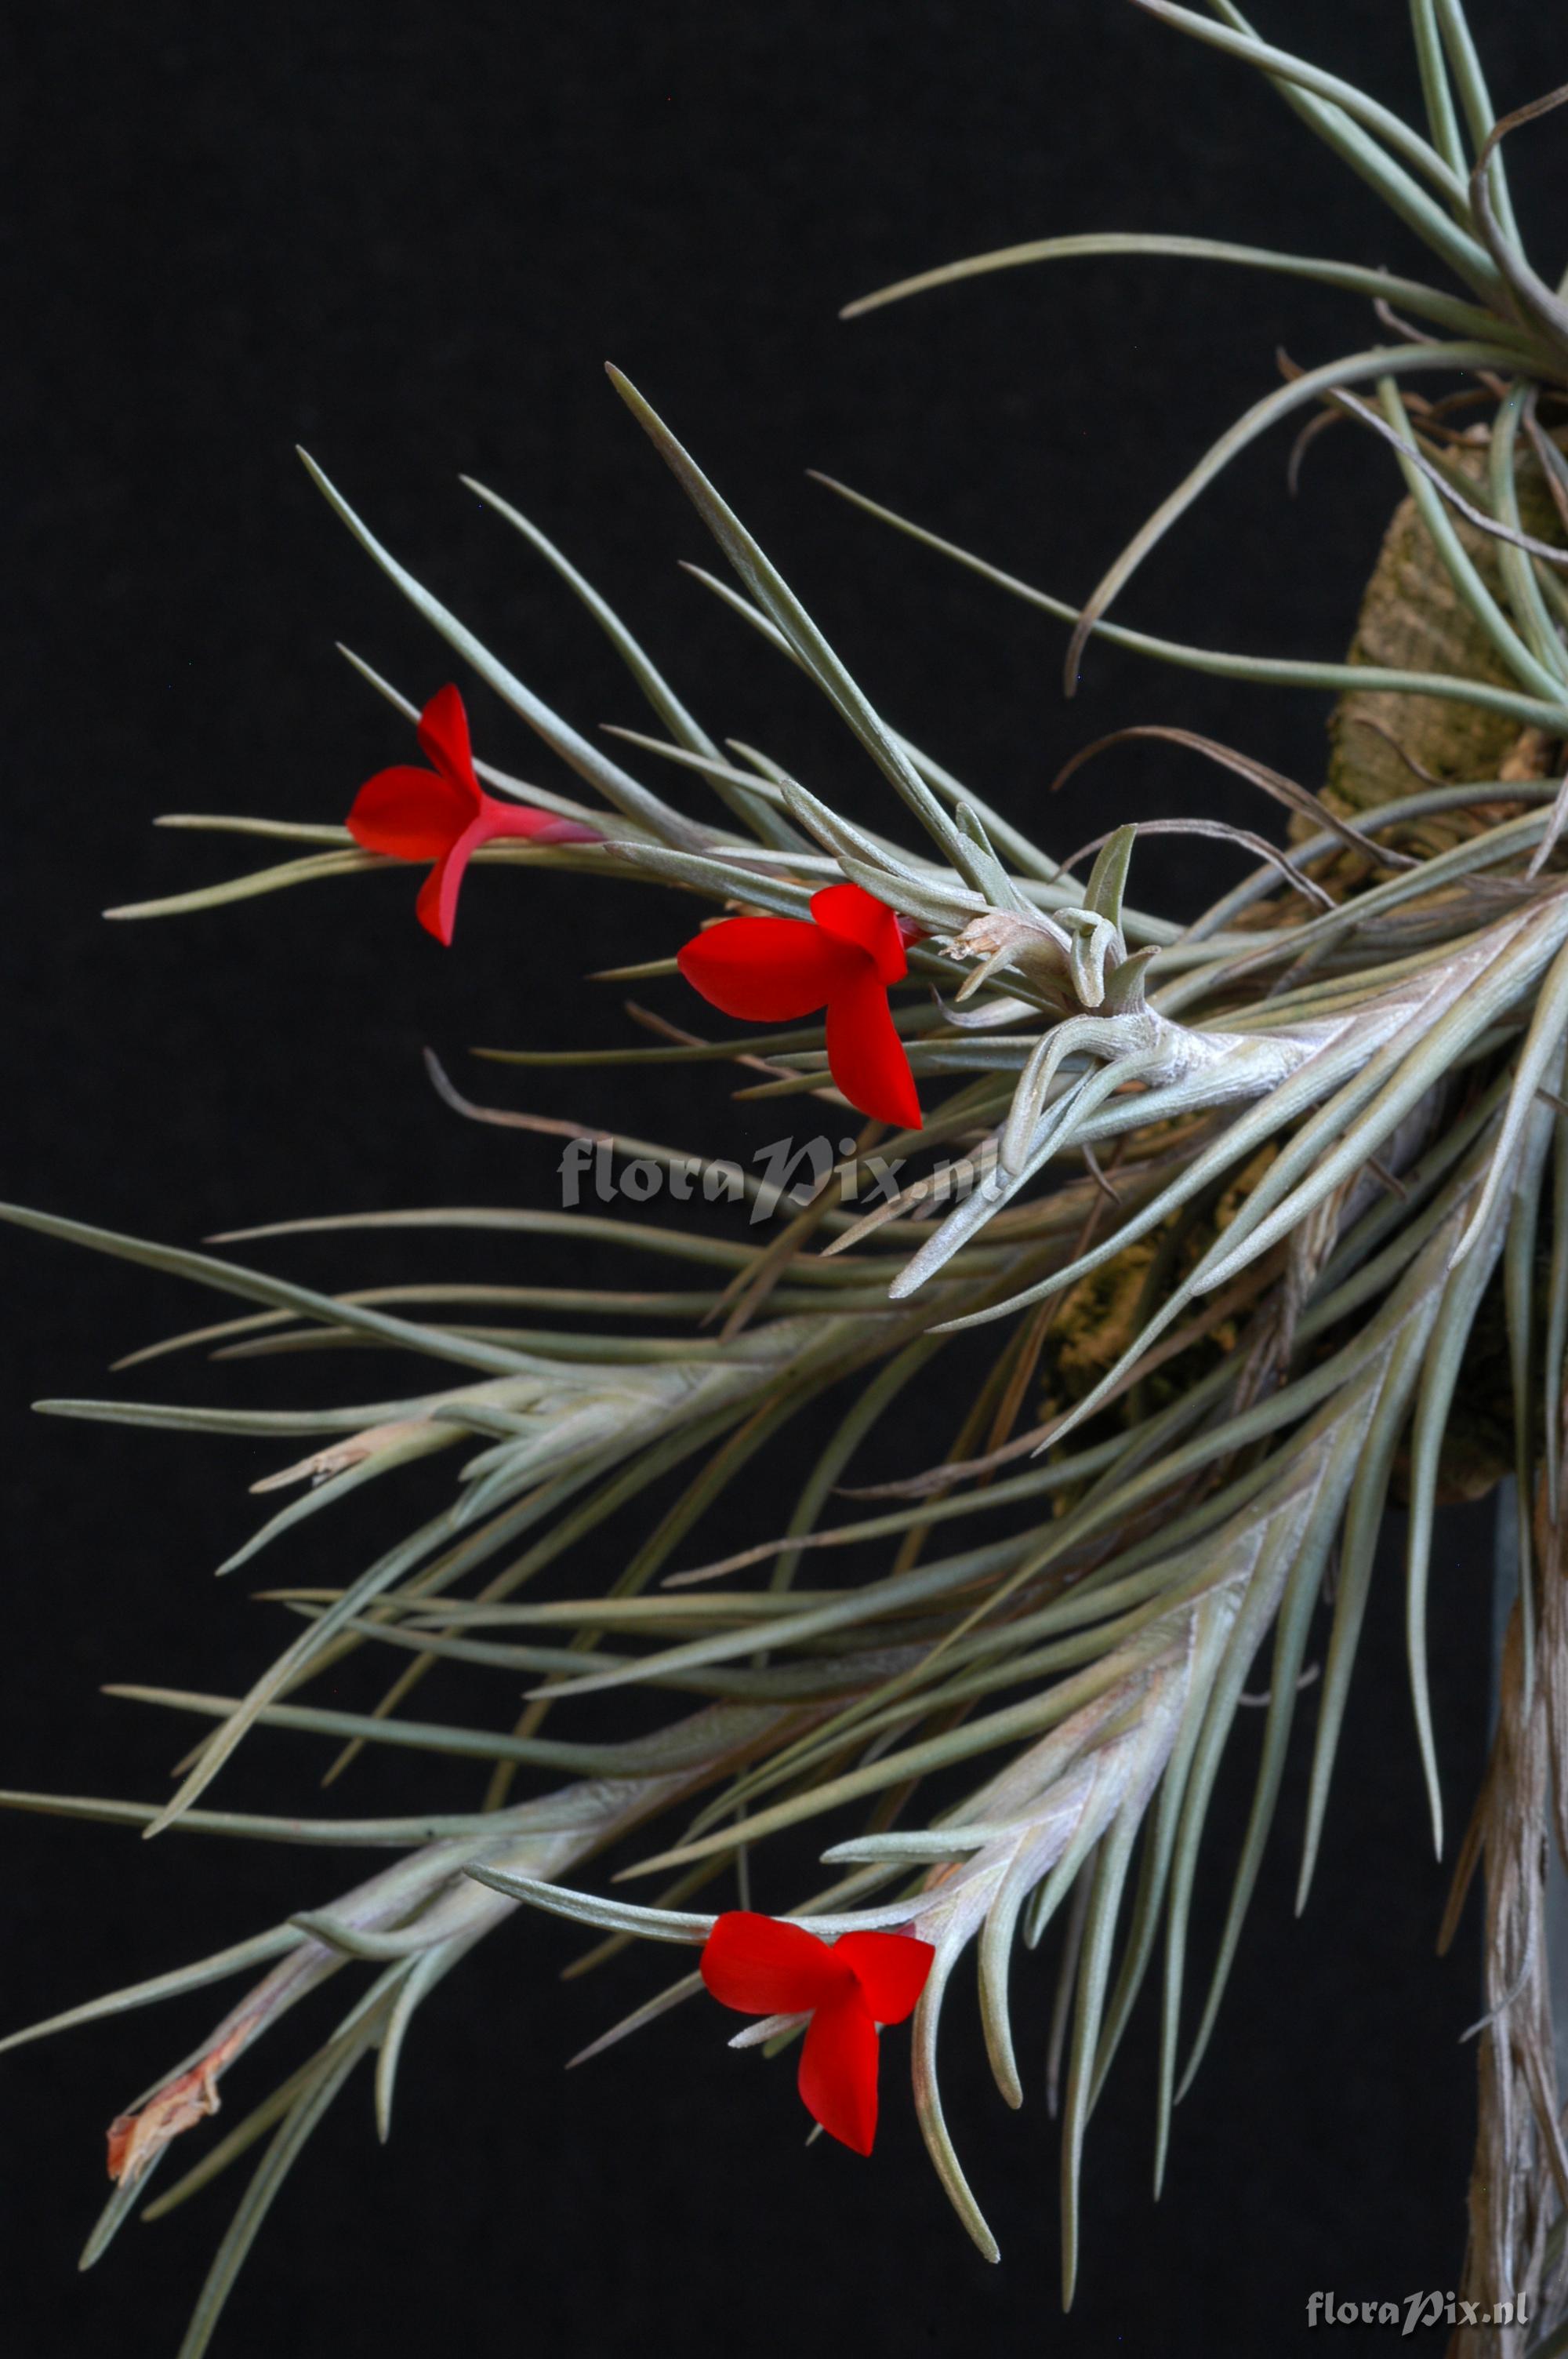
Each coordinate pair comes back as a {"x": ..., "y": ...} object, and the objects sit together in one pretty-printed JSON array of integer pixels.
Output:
[
  {"x": 437, "y": 907},
  {"x": 444, "y": 740},
  {"x": 890, "y": 1969},
  {"x": 412, "y": 814},
  {"x": 837, "y": 2079},
  {"x": 760, "y": 1965},
  {"x": 857, "y": 915},
  {"x": 768, "y": 969},
  {"x": 865, "y": 1055}
]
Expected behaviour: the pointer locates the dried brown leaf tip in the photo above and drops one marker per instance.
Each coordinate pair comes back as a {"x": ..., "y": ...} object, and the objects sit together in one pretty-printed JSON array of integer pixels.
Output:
[
  {"x": 339, "y": 1457},
  {"x": 135, "y": 2139}
]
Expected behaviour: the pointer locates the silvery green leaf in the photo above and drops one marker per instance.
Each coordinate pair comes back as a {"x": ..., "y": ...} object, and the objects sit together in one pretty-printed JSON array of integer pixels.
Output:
[
  {"x": 1405, "y": 294},
  {"x": 615, "y": 785},
  {"x": 1279, "y": 672},
  {"x": 1351, "y": 369},
  {"x": 782, "y": 608}
]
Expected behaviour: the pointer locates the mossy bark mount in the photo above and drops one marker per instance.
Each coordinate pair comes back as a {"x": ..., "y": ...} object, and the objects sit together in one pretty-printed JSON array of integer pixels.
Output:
[
  {"x": 1413, "y": 619},
  {"x": 1382, "y": 746}
]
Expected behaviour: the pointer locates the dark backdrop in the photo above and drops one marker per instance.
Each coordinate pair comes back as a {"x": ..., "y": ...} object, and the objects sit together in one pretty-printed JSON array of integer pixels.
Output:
[{"x": 407, "y": 238}]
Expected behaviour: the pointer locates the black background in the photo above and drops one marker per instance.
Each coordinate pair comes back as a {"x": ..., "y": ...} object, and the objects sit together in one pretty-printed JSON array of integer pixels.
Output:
[{"x": 407, "y": 239}]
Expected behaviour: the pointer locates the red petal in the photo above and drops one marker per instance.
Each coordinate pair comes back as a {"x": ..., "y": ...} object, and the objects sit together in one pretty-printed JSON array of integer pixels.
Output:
[
  {"x": 540, "y": 826},
  {"x": 859, "y": 917},
  {"x": 437, "y": 907},
  {"x": 890, "y": 1969},
  {"x": 838, "y": 2080},
  {"x": 413, "y": 814},
  {"x": 766, "y": 968},
  {"x": 444, "y": 740},
  {"x": 761, "y": 1966},
  {"x": 865, "y": 1055}
]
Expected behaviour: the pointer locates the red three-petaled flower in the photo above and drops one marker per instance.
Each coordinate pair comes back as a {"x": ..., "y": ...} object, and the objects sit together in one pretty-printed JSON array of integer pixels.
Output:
[
  {"x": 762, "y": 1965},
  {"x": 843, "y": 957},
  {"x": 444, "y": 814}
]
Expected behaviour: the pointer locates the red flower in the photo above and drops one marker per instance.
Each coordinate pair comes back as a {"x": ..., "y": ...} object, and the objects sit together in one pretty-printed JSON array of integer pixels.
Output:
[
  {"x": 444, "y": 814},
  {"x": 760, "y": 1965},
  {"x": 843, "y": 957}
]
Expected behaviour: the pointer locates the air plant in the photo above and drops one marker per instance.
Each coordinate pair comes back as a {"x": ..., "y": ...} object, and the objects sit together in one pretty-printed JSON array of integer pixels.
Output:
[{"x": 1307, "y": 1148}]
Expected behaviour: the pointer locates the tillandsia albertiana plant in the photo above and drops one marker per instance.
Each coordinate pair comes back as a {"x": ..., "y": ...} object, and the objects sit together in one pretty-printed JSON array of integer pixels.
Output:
[{"x": 1225, "y": 1205}]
